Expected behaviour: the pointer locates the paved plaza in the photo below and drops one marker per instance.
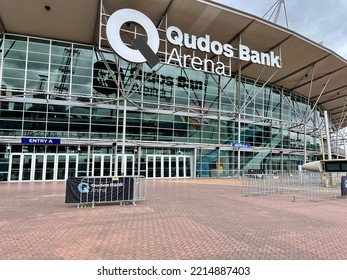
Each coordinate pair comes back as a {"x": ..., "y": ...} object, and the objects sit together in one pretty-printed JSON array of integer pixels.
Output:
[{"x": 187, "y": 219}]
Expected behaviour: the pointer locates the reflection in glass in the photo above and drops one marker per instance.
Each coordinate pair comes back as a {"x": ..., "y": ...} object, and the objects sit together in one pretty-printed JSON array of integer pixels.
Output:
[
  {"x": 26, "y": 170},
  {"x": 61, "y": 167},
  {"x": 72, "y": 166},
  {"x": 38, "y": 167},
  {"x": 50, "y": 167},
  {"x": 97, "y": 165},
  {"x": 15, "y": 167}
]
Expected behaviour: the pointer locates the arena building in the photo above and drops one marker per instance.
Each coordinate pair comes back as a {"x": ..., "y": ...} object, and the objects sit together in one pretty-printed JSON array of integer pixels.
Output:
[{"x": 203, "y": 91}]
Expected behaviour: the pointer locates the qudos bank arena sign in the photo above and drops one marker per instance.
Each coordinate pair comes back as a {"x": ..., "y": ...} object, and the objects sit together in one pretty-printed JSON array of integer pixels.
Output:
[{"x": 178, "y": 38}]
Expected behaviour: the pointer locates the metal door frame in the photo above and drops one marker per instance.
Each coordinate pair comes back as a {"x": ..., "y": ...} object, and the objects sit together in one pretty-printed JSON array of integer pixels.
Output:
[
  {"x": 119, "y": 161},
  {"x": 44, "y": 167},
  {"x": 102, "y": 164},
  {"x": 170, "y": 157}
]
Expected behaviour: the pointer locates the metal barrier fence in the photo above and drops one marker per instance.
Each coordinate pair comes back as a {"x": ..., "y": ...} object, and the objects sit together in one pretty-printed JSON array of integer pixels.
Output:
[
  {"x": 309, "y": 186},
  {"x": 95, "y": 190}
]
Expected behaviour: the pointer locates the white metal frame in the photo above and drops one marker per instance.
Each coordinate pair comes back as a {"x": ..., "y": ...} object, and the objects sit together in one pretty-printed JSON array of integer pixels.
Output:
[
  {"x": 102, "y": 164},
  {"x": 44, "y": 166},
  {"x": 153, "y": 158},
  {"x": 120, "y": 159}
]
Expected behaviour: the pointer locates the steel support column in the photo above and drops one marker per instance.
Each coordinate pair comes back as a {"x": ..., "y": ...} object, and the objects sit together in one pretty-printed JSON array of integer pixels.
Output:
[
  {"x": 327, "y": 133},
  {"x": 238, "y": 94}
]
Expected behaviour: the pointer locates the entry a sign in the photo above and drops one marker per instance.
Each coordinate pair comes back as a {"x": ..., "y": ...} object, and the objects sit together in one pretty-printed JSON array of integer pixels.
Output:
[{"x": 40, "y": 141}]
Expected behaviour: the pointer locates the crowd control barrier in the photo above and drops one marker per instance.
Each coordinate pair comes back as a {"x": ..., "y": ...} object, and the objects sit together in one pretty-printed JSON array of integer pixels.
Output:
[
  {"x": 94, "y": 190},
  {"x": 308, "y": 186},
  {"x": 344, "y": 186}
]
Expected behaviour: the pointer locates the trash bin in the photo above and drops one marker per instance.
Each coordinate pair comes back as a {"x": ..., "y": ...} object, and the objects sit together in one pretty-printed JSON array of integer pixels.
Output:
[{"x": 344, "y": 186}]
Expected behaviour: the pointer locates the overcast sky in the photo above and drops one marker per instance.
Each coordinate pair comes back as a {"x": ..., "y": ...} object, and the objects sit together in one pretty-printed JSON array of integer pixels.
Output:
[{"x": 318, "y": 20}]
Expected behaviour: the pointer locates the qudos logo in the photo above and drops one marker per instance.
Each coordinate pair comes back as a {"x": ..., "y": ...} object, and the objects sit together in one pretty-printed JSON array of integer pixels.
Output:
[
  {"x": 83, "y": 187},
  {"x": 113, "y": 28},
  {"x": 146, "y": 51}
]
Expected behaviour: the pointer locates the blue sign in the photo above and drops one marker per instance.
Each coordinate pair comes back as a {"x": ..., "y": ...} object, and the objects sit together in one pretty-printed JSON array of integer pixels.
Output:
[
  {"x": 41, "y": 141},
  {"x": 240, "y": 145}
]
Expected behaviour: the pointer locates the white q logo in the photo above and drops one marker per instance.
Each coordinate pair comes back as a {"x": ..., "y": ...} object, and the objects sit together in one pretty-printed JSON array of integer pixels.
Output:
[{"x": 113, "y": 27}]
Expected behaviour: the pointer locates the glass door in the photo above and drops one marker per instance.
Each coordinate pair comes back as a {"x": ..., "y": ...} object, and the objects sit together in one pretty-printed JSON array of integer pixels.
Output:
[
  {"x": 50, "y": 170},
  {"x": 66, "y": 166},
  {"x": 174, "y": 167},
  {"x": 151, "y": 163},
  {"x": 188, "y": 166},
  {"x": 107, "y": 165},
  {"x": 150, "y": 167},
  {"x": 61, "y": 167},
  {"x": 102, "y": 165},
  {"x": 38, "y": 168},
  {"x": 164, "y": 166},
  {"x": 27, "y": 167},
  {"x": 97, "y": 165},
  {"x": 72, "y": 164},
  {"x": 14, "y": 171},
  {"x": 181, "y": 166},
  {"x": 130, "y": 165},
  {"x": 158, "y": 166}
]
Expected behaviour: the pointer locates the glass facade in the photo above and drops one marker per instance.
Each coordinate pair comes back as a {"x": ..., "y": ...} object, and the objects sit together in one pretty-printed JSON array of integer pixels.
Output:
[{"x": 179, "y": 122}]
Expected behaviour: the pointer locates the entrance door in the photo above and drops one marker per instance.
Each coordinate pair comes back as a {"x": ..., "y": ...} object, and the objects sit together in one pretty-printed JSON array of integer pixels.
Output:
[
  {"x": 38, "y": 167},
  {"x": 27, "y": 167},
  {"x": 20, "y": 167},
  {"x": 130, "y": 165},
  {"x": 173, "y": 162},
  {"x": 165, "y": 166},
  {"x": 71, "y": 166},
  {"x": 154, "y": 167},
  {"x": 107, "y": 165},
  {"x": 96, "y": 165},
  {"x": 102, "y": 165},
  {"x": 61, "y": 167},
  {"x": 50, "y": 167}
]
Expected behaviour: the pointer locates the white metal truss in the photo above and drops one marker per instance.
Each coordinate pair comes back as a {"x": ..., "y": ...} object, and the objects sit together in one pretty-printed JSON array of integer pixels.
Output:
[{"x": 275, "y": 12}]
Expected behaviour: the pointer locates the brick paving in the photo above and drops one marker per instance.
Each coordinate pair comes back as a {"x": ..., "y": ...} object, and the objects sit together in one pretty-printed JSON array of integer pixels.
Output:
[{"x": 187, "y": 219}]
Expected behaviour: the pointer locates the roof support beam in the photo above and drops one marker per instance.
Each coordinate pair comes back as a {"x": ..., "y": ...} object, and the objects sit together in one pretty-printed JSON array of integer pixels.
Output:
[
  {"x": 332, "y": 99},
  {"x": 340, "y": 108},
  {"x": 306, "y": 114},
  {"x": 343, "y": 115},
  {"x": 321, "y": 93},
  {"x": 237, "y": 36},
  {"x": 318, "y": 78},
  {"x": 164, "y": 14},
  {"x": 301, "y": 69},
  {"x": 2, "y": 28},
  {"x": 270, "y": 49},
  {"x": 97, "y": 23},
  {"x": 241, "y": 31},
  {"x": 341, "y": 89}
]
